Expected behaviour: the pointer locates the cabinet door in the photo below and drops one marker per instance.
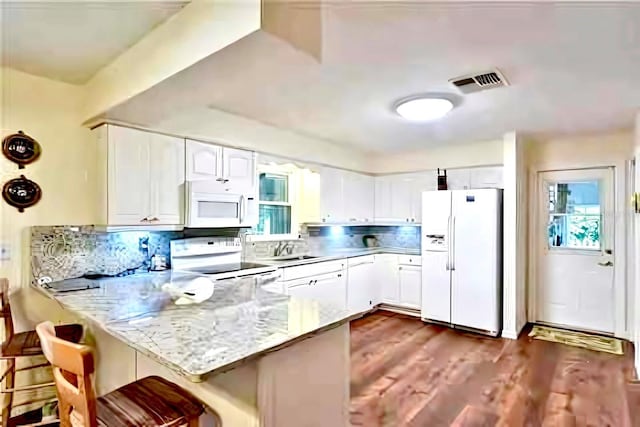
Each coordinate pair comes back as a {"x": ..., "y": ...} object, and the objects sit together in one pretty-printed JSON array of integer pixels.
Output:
[
  {"x": 426, "y": 181},
  {"x": 458, "y": 179},
  {"x": 387, "y": 276},
  {"x": 436, "y": 298},
  {"x": 331, "y": 289},
  {"x": 331, "y": 195},
  {"x": 204, "y": 161},
  {"x": 410, "y": 286},
  {"x": 401, "y": 198},
  {"x": 383, "y": 203},
  {"x": 239, "y": 167},
  {"x": 361, "y": 284},
  {"x": 167, "y": 179},
  {"x": 358, "y": 197},
  {"x": 128, "y": 176},
  {"x": 488, "y": 177}
]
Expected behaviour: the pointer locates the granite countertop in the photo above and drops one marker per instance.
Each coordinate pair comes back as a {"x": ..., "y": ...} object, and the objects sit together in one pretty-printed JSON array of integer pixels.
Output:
[
  {"x": 241, "y": 321},
  {"x": 336, "y": 254}
]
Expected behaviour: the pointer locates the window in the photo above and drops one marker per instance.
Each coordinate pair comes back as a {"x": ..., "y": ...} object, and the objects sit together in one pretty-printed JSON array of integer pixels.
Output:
[
  {"x": 575, "y": 217},
  {"x": 275, "y": 204}
]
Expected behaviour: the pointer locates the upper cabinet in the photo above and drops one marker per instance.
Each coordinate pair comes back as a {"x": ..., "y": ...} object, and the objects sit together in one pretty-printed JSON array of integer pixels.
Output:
[
  {"x": 398, "y": 198},
  {"x": 235, "y": 170},
  {"x": 144, "y": 177},
  {"x": 345, "y": 197},
  {"x": 204, "y": 161}
]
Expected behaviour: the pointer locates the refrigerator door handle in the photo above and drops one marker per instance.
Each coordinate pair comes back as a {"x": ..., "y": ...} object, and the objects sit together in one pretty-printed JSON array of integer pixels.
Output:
[
  {"x": 448, "y": 243},
  {"x": 452, "y": 245}
]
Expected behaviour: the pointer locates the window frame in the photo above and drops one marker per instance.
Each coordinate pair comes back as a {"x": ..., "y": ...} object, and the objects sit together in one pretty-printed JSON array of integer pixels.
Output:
[{"x": 292, "y": 199}]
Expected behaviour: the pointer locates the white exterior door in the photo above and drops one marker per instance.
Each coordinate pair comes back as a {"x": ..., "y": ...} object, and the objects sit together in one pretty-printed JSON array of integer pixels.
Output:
[{"x": 575, "y": 271}]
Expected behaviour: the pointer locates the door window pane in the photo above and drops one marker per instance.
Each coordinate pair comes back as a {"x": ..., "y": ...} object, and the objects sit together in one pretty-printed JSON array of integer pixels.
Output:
[
  {"x": 274, "y": 188},
  {"x": 274, "y": 219},
  {"x": 575, "y": 216}
]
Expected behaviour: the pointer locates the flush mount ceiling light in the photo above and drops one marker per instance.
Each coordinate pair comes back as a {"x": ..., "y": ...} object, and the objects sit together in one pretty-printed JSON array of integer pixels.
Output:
[{"x": 424, "y": 108}]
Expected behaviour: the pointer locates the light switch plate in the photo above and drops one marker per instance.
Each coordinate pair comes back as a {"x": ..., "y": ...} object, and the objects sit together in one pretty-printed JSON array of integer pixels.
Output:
[{"x": 5, "y": 251}]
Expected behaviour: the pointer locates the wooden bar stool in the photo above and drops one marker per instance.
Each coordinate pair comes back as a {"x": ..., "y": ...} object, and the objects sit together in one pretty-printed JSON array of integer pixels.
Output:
[
  {"x": 22, "y": 344},
  {"x": 151, "y": 401}
]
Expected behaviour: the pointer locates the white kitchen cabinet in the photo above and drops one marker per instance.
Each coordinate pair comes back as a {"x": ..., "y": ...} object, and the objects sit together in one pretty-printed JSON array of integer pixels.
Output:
[
  {"x": 239, "y": 169},
  {"x": 235, "y": 170},
  {"x": 386, "y": 271},
  {"x": 330, "y": 288},
  {"x": 128, "y": 175},
  {"x": 487, "y": 177},
  {"x": 204, "y": 161},
  {"x": 362, "y": 285},
  {"x": 143, "y": 177},
  {"x": 358, "y": 197},
  {"x": 167, "y": 179},
  {"x": 331, "y": 196},
  {"x": 410, "y": 278},
  {"x": 398, "y": 197}
]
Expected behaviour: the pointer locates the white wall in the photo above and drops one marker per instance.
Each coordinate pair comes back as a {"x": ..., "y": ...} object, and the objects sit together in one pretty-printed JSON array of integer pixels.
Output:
[
  {"x": 49, "y": 111},
  {"x": 481, "y": 153},
  {"x": 596, "y": 150}
]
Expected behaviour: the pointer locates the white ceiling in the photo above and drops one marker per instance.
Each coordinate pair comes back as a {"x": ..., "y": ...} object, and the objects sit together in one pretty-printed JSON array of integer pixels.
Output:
[
  {"x": 71, "y": 40},
  {"x": 573, "y": 68}
]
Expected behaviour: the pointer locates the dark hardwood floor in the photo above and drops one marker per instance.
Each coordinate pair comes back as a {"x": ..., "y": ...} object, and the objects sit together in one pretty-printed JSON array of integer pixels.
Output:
[{"x": 408, "y": 373}]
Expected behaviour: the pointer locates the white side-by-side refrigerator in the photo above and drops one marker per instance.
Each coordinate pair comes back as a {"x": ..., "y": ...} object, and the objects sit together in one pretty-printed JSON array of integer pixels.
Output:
[{"x": 462, "y": 258}]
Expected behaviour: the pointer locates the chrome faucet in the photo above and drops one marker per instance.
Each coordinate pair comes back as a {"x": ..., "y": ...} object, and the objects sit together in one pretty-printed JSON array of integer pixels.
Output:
[{"x": 282, "y": 248}]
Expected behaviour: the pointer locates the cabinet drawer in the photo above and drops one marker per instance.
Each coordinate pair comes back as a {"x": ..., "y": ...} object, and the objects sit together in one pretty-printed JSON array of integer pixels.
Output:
[
  {"x": 313, "y": 269},
  {"x": 366, "y": 259},
  {"x": 409, "y": 260}
]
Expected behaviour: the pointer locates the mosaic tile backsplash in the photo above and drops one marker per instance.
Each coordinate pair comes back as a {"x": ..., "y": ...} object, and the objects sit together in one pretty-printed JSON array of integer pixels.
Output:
[
  {"x": 325, "y": 239},
  {"x": 64, "y": 252}
]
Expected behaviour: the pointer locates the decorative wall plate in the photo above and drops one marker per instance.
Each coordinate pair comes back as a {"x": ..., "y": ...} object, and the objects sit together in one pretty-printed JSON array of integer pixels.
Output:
[
  {"x": 21, "y": 148},
  {"x": 21, "y": 193}
]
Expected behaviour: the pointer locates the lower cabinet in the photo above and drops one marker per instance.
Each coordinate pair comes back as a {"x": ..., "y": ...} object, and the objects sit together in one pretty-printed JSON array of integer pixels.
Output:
[
  {"x": 410, "y": 285},
  {"x": 362, "y": 286},
  {"x": 386, "y": 274},
  {"x": 330, "y": 288}
]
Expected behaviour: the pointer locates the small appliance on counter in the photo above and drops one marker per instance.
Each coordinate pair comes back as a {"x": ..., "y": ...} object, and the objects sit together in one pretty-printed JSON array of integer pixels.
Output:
[{"x": 370, "y": 241}]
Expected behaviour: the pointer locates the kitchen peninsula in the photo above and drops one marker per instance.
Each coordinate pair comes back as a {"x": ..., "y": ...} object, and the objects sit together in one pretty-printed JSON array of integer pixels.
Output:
[{"x": 256, "y": 357}]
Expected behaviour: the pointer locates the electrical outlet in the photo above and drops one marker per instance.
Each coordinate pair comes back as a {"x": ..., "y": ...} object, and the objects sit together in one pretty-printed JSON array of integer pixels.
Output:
[{"x": 5, "y": 251}]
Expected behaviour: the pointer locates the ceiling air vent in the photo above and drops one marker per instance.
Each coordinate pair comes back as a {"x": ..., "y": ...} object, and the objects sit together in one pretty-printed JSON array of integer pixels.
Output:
[{"x": 482, "y": 81}]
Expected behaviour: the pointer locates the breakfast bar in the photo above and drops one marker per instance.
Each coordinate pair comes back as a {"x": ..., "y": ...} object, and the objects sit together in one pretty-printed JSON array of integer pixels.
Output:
[{"x": 254, "y": 356}]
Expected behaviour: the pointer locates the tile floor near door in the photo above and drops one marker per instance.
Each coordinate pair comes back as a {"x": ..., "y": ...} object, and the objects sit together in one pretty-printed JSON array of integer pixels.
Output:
[{"x": 408, "y": 373}]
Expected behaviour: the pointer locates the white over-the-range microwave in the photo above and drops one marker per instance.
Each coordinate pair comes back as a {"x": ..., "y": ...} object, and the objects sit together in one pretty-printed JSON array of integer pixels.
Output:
[{"x": 209, "y": 206}]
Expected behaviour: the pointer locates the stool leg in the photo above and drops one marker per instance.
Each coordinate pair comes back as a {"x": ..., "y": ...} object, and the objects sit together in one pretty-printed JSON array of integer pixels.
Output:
[
  {"x": 9, "y": 383},
  {"x": 194, "y": 422}
]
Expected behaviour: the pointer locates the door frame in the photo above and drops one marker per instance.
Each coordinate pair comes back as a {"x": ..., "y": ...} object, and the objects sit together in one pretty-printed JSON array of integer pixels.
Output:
[{"x": 620, "y": 303}]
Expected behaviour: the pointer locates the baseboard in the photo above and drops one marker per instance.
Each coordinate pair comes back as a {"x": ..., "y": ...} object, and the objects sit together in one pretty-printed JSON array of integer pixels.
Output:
[
  {"x": 510, "y": 334},
  {"x": 513, "y": 334},
  {"x": 399, "y": 310}
]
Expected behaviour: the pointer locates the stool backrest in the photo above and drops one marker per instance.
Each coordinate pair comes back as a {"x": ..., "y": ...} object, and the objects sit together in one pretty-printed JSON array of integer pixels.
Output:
[
  {"x": 73, "y": 366},
  {"x": 6, "y": 309}
]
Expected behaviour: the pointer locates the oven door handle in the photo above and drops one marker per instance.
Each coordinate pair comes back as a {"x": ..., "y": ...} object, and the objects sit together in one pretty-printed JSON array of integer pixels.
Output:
[{"x": 241, "y": 208}]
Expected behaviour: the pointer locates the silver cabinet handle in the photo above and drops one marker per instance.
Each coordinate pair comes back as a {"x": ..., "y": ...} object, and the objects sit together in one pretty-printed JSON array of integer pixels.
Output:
[{"x": 241, "y": 208}]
